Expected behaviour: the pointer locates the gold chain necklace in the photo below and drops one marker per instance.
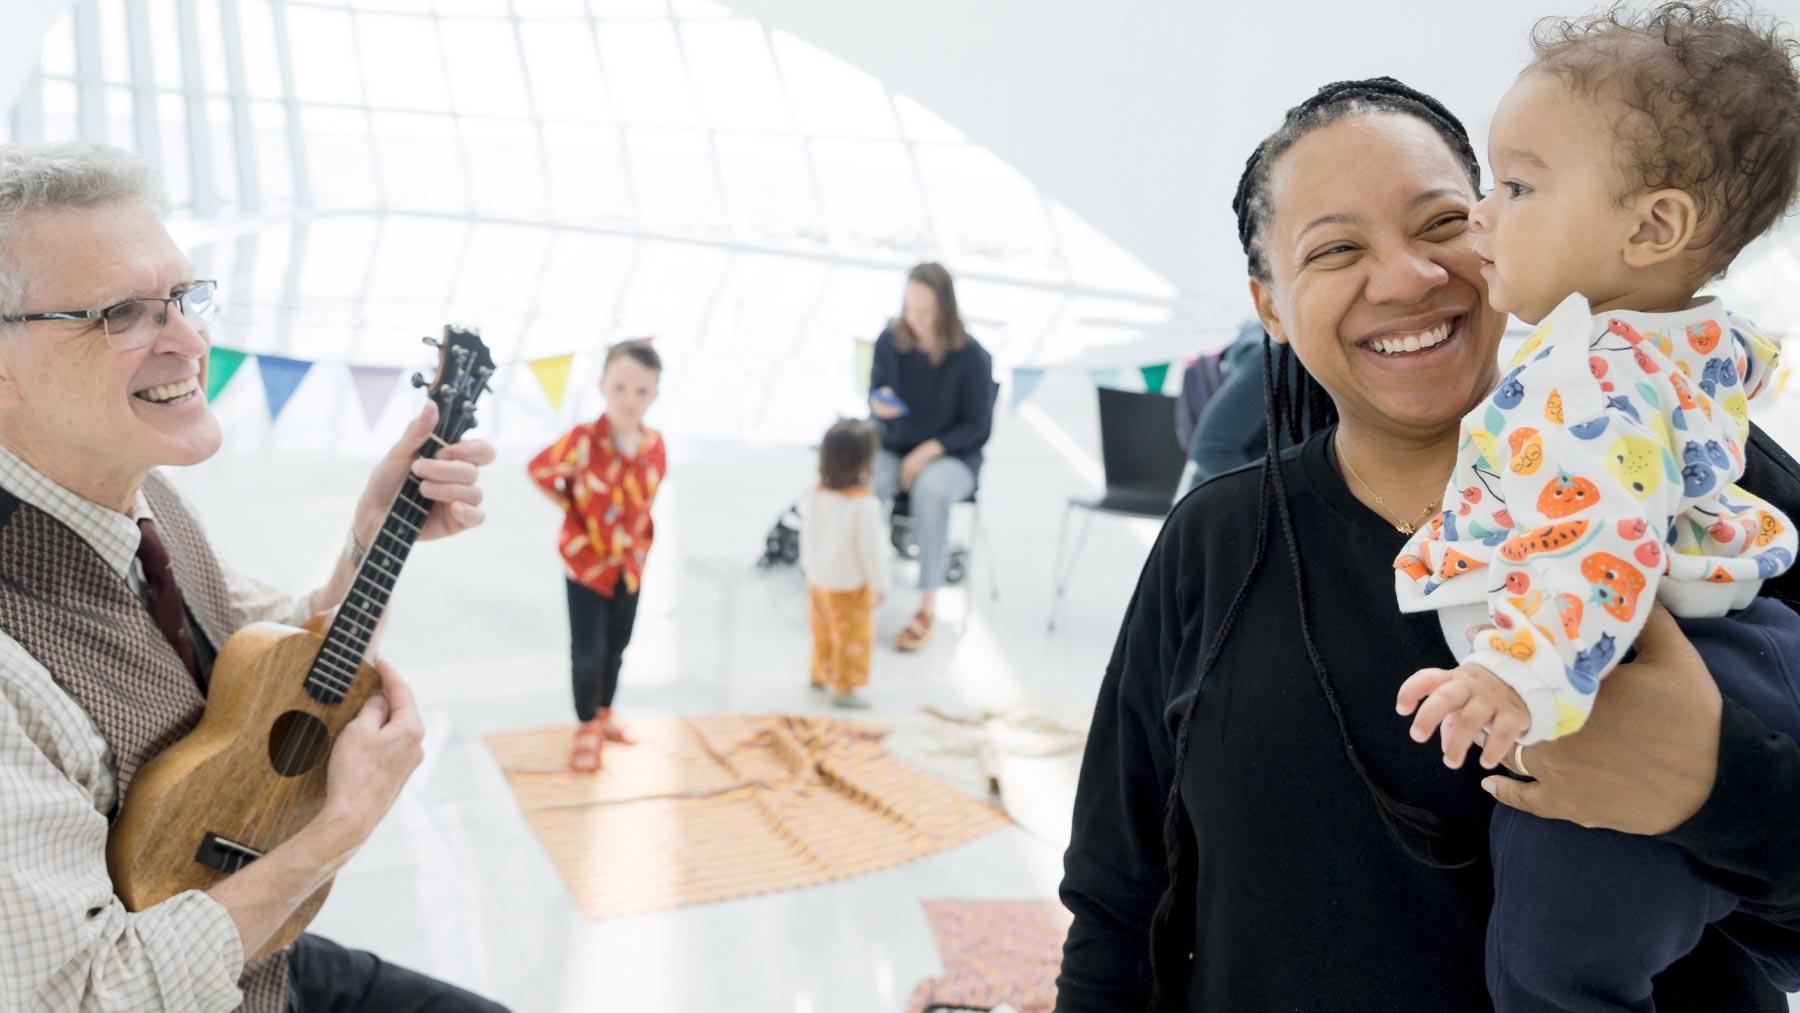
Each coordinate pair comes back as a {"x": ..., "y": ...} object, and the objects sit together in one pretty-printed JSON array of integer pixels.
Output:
[{"x": 1404, "y": 527}]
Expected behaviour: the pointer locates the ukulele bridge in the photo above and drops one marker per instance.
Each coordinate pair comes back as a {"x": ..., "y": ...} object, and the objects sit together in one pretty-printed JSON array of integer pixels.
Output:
[{"x": 225, "y": 854}]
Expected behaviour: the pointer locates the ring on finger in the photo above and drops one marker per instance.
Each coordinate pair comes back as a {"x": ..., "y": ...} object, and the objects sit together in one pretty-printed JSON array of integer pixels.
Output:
[{"x": 1519, "y": 759}]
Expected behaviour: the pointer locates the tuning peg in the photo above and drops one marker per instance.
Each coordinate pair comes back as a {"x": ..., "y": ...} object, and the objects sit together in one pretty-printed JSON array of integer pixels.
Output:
[
  {"x": 433, "y": 342},
  {"x": 418, "y": 379}
]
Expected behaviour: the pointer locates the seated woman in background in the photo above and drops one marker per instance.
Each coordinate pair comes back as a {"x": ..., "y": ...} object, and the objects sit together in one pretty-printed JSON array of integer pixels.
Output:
[{"x": 931, "y": 388}]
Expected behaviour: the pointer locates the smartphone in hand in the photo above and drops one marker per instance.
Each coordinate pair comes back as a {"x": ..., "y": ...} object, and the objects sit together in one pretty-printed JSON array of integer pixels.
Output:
[{"x": 888, "y": 398}]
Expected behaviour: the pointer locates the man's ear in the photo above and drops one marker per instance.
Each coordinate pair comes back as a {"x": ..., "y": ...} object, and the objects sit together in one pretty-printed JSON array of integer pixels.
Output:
[
  {"x": 1267, "y": 311},
  {"x": 1667, "y": 221}
]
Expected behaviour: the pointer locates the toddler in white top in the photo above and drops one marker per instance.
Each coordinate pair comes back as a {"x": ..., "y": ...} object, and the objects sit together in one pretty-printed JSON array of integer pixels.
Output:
[{"x": 842, "y": 555}]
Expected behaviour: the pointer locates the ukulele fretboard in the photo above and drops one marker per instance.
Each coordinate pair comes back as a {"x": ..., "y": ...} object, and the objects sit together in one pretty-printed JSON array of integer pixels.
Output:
[{"x": 341, "y": 655}]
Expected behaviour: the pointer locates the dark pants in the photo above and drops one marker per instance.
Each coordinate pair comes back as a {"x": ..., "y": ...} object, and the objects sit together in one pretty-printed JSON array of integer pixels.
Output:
[
  {"x": 1582, "y": 919},
  {"x": 599, "y": 630},
  {"x": 324, "y": 977}
]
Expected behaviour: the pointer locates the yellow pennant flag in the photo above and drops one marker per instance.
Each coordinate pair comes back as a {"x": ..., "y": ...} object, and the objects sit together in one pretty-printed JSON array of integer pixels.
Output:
[{"x": 553, "y": 375}]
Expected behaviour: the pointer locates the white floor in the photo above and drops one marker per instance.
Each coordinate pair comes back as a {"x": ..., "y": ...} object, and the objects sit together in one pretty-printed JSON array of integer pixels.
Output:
[{"x": 455, "y": 885}]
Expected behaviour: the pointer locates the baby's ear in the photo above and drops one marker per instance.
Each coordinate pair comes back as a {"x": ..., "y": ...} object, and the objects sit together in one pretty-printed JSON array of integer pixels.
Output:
[{"x": 1667, "y": 223}]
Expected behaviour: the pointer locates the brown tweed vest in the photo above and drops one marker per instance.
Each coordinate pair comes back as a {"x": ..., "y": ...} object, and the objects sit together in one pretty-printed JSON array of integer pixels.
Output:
[{"x": 83, "y": 622}]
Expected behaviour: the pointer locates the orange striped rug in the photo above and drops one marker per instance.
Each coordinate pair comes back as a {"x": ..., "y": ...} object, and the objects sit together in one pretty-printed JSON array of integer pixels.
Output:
[{"x": 711, "y": 808}]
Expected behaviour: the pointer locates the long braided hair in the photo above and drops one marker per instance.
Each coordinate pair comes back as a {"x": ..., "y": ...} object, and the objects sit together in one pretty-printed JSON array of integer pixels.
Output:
[{"x": 1296, "y": 405}]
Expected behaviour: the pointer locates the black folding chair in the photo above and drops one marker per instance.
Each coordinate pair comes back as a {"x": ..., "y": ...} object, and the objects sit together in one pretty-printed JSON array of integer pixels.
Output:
[{"x": 1142, "y": 462}]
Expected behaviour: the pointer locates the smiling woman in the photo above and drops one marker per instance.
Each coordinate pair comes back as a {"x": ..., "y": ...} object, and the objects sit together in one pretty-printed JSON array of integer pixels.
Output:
[{"x": 1252, "y": 817}]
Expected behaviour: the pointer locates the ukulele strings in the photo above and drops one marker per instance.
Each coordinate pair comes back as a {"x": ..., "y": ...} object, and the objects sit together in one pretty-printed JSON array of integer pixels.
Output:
[{"x": 298, "y": 743}]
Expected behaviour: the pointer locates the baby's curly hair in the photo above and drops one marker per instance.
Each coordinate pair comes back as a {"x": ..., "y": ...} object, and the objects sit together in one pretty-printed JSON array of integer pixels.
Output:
[{"x": 1712, "y": 100}]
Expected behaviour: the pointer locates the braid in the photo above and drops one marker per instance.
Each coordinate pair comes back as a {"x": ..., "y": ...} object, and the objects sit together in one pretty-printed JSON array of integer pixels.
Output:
[
  {"x": 1295, "y": 409},
  {"x": 1172, "y": 810}
]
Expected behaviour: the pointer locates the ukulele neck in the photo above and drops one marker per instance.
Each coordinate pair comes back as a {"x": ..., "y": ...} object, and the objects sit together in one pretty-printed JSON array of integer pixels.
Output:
[{"x": 353, "y": 629}]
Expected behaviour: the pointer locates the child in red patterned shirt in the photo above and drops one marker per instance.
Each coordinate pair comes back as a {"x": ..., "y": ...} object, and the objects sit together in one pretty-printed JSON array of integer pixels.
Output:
[{"x": 604, "y": 474}]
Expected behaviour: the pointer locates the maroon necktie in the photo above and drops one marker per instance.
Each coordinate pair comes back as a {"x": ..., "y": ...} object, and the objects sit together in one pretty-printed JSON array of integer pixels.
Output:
[{"x": 165, "y": 597}]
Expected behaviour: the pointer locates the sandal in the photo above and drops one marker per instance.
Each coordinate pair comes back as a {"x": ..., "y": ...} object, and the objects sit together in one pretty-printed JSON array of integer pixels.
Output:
[
  {"x": 584, "y": 756},
  {"x": 612, "y": 730},
  {"x": 916, "y": 633}
]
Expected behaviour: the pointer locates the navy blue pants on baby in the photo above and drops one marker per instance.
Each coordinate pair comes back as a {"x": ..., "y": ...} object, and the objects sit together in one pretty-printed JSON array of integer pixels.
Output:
[{"x": 1583, "y": 919}]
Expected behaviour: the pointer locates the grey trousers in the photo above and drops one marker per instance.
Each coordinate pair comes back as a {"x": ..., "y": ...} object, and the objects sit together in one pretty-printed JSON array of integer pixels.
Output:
[{"x": 944, "y": 483}]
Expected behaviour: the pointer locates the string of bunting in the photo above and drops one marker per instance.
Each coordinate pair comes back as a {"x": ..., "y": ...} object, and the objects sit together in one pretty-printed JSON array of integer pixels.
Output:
[
  {"x": 1025, "y": 379},
  {"x": 281, "y": 376}
]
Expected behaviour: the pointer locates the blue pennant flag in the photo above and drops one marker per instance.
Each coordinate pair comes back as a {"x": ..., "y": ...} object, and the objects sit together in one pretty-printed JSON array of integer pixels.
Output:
[{"x": 280, "y": 376}]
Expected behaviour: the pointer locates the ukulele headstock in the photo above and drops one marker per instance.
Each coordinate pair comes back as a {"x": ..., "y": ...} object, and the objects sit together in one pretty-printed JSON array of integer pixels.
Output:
[{"x": 464, "y": 370}]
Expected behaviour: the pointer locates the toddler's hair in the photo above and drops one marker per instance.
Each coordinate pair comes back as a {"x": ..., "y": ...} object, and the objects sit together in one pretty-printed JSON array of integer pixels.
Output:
[
  {"x": 638, "y": 351},
  {"x": 846, "y": 453},
  {"x": 1711, "y": 103}
]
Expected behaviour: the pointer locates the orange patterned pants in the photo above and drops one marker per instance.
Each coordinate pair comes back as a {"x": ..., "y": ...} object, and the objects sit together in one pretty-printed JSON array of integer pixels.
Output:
[{"x": 843, "y": 626}]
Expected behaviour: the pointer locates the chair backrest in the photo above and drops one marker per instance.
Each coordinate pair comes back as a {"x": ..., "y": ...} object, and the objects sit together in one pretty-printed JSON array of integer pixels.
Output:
[{"x": 1137, "y": 443}]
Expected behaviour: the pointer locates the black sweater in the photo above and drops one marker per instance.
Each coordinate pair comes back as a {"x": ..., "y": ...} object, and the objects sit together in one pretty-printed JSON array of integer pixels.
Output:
[
  {"x": 951, "y": 402},
  {"x": 1294, "y": 897}
]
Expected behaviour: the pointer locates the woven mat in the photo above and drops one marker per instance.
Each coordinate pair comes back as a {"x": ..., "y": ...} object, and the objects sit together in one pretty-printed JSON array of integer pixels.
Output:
[
  {"x": 994, "y": 951},
  {"x": 711, "y": 808}
]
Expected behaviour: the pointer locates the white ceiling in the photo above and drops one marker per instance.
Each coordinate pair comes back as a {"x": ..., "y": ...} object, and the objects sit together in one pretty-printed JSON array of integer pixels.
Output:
[{"x": 1138, "y": 115}]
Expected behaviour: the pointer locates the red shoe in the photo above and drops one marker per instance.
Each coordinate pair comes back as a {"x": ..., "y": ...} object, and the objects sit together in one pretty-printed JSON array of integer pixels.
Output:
[
  {"x": 613, "y": 730},
  {"x": 584, "y": 755}
]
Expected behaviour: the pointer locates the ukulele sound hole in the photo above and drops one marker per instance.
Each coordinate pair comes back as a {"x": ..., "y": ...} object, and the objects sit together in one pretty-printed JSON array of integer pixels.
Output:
[{"x": 297, "y": 743}]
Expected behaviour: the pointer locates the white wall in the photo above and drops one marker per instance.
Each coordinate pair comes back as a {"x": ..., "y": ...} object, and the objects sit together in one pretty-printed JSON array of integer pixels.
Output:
[
  {"x": 26, "y": 22},
  {"x": 1138, "y": 115}
]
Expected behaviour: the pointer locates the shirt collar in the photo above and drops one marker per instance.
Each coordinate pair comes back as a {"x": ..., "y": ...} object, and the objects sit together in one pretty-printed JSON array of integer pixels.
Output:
[{"x": 113, "y": 535}]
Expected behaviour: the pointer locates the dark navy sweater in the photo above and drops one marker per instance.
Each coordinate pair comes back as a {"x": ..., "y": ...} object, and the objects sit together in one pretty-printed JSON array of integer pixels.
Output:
[{"x": 951, "y": 402}]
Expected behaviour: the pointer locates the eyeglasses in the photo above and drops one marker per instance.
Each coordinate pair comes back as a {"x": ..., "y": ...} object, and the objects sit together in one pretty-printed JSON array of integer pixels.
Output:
[{"x": 135, "y": 323}]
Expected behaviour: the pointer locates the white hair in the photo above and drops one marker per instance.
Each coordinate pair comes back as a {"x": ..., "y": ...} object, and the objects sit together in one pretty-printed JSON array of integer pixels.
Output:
[{"x": 52, "y": 177}]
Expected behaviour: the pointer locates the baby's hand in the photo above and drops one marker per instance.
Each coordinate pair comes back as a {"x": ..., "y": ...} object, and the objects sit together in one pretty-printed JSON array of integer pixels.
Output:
[{"x": 1462, "y": 701}]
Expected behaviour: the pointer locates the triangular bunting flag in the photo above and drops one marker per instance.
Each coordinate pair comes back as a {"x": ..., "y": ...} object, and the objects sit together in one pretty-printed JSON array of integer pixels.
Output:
[
  {"x": 374, "y": 387},
  {"x": 863, "y": 365},
  {"x": 553, "y": 375},
  {"x": 1107, "y": 377},
  {"x": 1024, "y": 381},
  {"x": 1154, "y": 377},
  {"x": 221, "y": 365},
  {"x": 280, "y": 375}
]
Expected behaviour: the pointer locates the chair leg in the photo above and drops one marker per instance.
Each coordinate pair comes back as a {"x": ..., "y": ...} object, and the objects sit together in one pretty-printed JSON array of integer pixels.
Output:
[
  {"x": 985, "y": 545},
  {"x": 1061, "y": 575}
]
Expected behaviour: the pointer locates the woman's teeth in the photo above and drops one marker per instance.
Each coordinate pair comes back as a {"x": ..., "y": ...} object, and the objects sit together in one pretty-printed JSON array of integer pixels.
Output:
[
  {"x": 170, "y": 391},
  {"x": 1414, "y": 342}
]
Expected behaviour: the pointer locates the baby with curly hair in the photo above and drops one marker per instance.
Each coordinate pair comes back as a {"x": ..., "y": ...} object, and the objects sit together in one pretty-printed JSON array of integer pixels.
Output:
[{"x": 1634, "y": 159}]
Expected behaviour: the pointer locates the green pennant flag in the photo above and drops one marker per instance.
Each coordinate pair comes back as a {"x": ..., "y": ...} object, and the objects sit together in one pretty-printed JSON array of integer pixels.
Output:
[
  {"x": 221, "y": 365},
  {"x": 1154, "y": 377}
]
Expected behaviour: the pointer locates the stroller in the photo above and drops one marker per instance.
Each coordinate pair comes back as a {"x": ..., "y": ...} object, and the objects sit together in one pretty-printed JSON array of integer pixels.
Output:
[{"x": 781, "y": 546}]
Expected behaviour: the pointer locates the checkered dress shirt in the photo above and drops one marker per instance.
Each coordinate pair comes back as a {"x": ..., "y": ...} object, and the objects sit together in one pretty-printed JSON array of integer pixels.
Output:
[{"x": 66, "y": 942}]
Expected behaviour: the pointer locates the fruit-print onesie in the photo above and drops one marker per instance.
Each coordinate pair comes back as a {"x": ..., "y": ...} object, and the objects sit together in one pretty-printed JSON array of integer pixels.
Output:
[{"x": 1598, "y": 476}]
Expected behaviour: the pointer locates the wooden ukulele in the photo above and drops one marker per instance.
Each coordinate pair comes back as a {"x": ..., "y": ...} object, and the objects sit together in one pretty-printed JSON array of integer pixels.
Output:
[{"x": 252, "y": 772}]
